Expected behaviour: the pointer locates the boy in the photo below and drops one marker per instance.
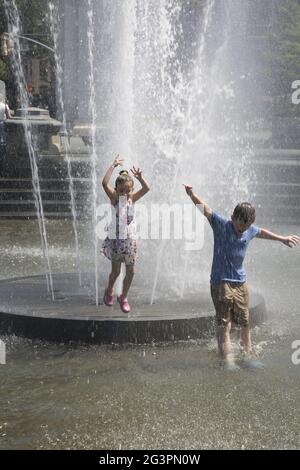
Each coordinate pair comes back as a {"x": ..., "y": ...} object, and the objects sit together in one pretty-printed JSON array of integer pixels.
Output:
[{"x": 229, "y": 290}]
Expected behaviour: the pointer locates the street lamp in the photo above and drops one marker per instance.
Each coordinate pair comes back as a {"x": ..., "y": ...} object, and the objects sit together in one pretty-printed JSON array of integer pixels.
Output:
[
  {"x": 6, "y": 43},
  {"x": 7, "y": 46}
]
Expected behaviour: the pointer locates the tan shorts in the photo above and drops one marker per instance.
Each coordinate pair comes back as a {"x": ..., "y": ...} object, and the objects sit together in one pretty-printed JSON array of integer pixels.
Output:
[{"x": 231, "y": 301}]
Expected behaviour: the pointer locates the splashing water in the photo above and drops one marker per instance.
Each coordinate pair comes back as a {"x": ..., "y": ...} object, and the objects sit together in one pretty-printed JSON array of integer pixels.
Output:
[
  {"x": 93, "y": 113},
  {"x": 53, "y": 16},
  {"x": 158, "y": 82},
  {"x": 162, "y": 82},
  {"x": 14, "y": 30}
]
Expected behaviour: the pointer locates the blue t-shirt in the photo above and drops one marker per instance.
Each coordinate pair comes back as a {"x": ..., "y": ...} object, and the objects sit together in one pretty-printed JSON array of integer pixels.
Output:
[{"x": 229, "y": 250}]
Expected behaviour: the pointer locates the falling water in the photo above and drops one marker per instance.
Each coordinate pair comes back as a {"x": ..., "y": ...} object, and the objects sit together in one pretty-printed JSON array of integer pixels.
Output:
[
  {"x": 169, "y": 48},
  {"x": 198, "y": 77},
  {"x": 122, "y": 109},
  {"x": 168, "y": 91},
  {"x": 53, "y": 14},
  {"x": 111, "y": 98},
  {"x": 14, "y": 30},
  {"x": 203, "y": 140},
  {"x": 186, "y": 94},
  {"x": 183, "y": 96},
  {"x": 93, "y": 113}
]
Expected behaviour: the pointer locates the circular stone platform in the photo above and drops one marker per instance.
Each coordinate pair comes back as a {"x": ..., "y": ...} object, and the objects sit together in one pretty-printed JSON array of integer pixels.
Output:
[{"x": 27, "y": 309}]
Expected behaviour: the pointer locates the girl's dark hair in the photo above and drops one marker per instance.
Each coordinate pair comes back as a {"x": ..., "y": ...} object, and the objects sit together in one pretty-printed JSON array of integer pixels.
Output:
[
  {"x": 124, "y": 177},
  {"x": 244, "y": 212}
]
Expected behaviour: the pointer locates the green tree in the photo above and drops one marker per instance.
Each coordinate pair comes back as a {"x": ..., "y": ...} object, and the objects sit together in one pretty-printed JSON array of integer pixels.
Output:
[
  {"x": 34, "y": 23},
  {"x": 3, "y": 28}
]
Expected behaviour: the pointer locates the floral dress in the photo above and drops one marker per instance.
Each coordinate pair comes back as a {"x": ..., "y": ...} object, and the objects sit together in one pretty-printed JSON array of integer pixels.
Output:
[{"x": 120, "y": 245}]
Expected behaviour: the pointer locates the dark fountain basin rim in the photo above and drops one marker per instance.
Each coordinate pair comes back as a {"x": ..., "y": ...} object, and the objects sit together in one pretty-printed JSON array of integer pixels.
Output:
[{"x": 103, "y": 325}]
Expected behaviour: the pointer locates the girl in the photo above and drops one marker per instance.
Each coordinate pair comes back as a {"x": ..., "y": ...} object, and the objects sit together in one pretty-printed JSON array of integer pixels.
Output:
[{"x": 122, "y": 249}]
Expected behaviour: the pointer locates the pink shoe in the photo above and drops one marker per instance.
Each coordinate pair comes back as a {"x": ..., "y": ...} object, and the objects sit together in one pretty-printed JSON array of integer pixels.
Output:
[
  {"x": 125, "y": 307},
  {"x": 108, "y": 299}
]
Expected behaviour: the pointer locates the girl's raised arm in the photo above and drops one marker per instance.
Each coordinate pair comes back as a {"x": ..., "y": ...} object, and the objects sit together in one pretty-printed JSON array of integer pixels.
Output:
[
  {"x": 105, "y": 182},
  {"x": 137, "y": 173}
]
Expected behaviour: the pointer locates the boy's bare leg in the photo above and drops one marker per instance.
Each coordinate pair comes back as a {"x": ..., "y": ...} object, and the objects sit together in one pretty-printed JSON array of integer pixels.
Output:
[
  {"x": 249, "y": 360},
  {"x": 245, "y": 338},
  {"x": 224, "y": 344},
  {"x": 127, "y": 280},
  {"x": 115, "y": 271}
]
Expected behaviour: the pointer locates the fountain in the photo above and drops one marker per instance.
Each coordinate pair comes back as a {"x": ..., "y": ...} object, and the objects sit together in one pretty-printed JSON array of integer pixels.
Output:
[
  {"x": 43, "y": 127},
  {"x": 168, "y": 85},
  {"x": 14, "y": 27},
  {"x": 59, "y": 77}
]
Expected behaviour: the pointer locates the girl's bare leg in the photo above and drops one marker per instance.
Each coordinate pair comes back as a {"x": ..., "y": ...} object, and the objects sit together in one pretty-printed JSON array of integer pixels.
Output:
[
  {"x": 115, "y": 271},
  {"x": 127, "y": 279}
]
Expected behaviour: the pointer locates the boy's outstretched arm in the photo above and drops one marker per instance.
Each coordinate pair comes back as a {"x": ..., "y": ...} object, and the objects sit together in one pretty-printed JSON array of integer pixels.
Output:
[
  {"x": 205, "y": 209},
  {"x": 290, "y": 240}
]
